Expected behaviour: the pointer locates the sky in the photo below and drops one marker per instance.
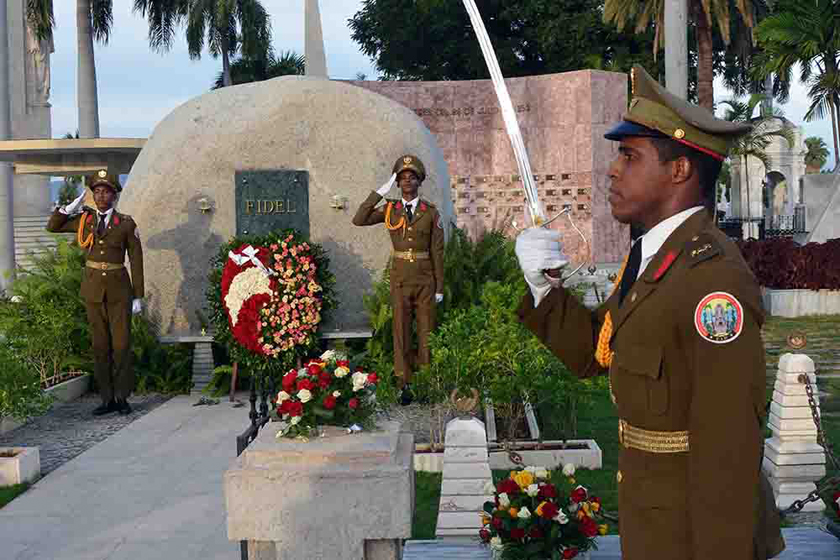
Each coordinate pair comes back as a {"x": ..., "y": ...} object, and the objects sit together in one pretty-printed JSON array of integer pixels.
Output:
[{"x": 138, "y": 87}]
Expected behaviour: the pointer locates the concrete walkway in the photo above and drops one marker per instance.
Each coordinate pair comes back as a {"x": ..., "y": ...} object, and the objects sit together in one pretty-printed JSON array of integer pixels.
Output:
[{"x": 153, "y": 490}]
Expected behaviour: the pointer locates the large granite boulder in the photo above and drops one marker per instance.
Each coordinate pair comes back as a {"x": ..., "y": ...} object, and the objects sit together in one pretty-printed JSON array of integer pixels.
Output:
[{"x": 345, "y": 137}]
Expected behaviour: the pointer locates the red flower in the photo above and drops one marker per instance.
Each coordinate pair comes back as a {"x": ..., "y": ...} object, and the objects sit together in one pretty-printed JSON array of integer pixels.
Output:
[
  {"x": 570, "y": 552},
  {"x": 289, "y": 381},
  {"x": 323, "y": 383},
  {"x": 373, "y": 379},
  {"x": 296, "y": 409},
  {"x": 353, "y": 403},
  {"x": 578, "y": 494},
  {"x": 508, "y": 487},
  {"x": 304, "y": 383},
  {"x": 516, "y": 533},
  {"x": 547, "y": 491},
  {"x": 313, "y": 369},
  {"x": 535, "y": 533},
  {"x": 329, "y": 402},
  {"x": 496, "y": 522},
  {"x": 342, "y": 363},
  {"x": 588, "y": 527},
  {"x": 484, "y": 534},
  {"x": 549, "y": 510}
]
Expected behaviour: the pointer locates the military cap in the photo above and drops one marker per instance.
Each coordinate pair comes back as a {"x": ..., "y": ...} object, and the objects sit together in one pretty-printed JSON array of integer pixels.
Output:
[
  {"x": 657, "y": 113},
  {"x": 413, "y": 163},
  {"x": 102, "y": 177}
]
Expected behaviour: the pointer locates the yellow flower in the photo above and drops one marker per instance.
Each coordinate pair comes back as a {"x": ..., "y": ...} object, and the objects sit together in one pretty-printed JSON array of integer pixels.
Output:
[
  {"x": 585, "y": 506},
  {"x": 571, "y": 480},
  {"x": 580, "y": 514},
  {"x": 596, "y": 507},
  {"x": 485, "y": 519},
  {"x": 539, "y": 509},
  {"x": 513, "y": 512},
  {"x": 523, "y": 478},
  {"x": 602, "y": 529}
]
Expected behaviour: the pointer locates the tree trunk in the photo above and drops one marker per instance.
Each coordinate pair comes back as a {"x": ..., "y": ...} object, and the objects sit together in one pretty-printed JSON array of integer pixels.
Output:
[
  {"x": 7, "y": 231},
  {"x": 705, "y": 53},
  {"x": 676, "y": 47},
  {"x": 833, "y": 109},
  {"x": 226, "y": 79},
  {"x": 87, "y": 97},
  {"x": 748, "y": 225}
]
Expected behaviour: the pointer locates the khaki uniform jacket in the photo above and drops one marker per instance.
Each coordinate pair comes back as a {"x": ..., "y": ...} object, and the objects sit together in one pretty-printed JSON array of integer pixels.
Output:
[
  {"x": 666, "y": 377},
  {"x": 423, "y": 234},
  {"x": 120, "y": 237}
]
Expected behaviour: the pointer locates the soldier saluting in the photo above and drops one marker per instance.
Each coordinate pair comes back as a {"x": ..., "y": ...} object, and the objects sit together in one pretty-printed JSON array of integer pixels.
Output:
[
  {"x": 416, "y": 230},
  {"x": 680, "y": 339},
  {"x": 110, "y": 295}
]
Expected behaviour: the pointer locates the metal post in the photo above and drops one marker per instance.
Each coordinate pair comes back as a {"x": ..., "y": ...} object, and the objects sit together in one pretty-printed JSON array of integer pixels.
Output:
[
  {"x": 676, "y": 47},
  {"x": 7, "y": 224}
]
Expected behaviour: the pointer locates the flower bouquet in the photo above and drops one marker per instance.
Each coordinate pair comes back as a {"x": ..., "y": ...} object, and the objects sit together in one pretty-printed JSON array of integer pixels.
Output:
[
  {"x": 540, "y": 514},
  {"x": 326, "y": 392}
]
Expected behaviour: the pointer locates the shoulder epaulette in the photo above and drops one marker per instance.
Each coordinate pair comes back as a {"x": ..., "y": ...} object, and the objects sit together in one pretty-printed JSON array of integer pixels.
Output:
[{"x": 702, "y": 247}]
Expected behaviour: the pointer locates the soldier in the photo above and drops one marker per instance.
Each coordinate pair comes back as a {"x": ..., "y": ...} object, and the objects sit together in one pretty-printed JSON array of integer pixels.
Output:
[
  {"x": 416, "y": 230},
  {"x": 690, "y": 401},
  {"x": 110, "y": 295}
]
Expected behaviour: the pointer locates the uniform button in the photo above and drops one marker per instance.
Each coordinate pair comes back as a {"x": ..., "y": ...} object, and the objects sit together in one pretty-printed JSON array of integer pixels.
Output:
[
  {"x": 104, "y": 274},
  {"x": 409, "y": 229},
  {"x": 619, "y": 477},
  {"x": 101, "y": 252},
  {"x": 410, "y": 239},
  {"x": 101, "y": 242}
]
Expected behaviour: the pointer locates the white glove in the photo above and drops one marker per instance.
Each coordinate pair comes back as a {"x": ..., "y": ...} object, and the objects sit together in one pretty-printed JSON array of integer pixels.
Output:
[
  {"x": 438, "y": 298},
  {"x": 383, "y": 190},
  {"x": 137, "y": 306},
  {"x": 539, "y": 249},
  {"x": 74, "y": 207}
]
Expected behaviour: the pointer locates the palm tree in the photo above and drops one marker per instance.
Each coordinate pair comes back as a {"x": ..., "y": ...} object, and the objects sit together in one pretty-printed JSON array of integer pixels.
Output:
[
  {"x": 226, "y": 26},
  {"x": 705, "y": 15},
  {"x": 94, "y": 19},
  {"x": 805, "y": 32},
  {"x": 755, "y": 143},
  {"x": 816, "y": 154},
  {"x": 245, "y": 70}
]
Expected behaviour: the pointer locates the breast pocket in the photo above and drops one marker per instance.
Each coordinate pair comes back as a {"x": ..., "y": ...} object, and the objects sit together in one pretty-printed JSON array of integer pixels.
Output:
[{"x": 638, "y": 381}]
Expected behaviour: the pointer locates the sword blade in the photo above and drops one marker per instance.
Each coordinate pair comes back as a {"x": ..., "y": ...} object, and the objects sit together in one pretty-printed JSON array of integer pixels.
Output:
[{"x": 508, "y": 115}]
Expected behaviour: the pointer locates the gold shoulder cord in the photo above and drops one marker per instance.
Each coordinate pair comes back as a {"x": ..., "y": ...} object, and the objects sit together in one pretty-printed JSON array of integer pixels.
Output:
[
  {"x": 603, "y": 353},
  {"x": 388, "y": 224},
  {"x": 84, "y": 243}
]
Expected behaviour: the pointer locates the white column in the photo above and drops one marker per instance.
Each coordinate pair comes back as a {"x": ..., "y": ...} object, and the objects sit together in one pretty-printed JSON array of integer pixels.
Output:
[
  {"x": 7, "y": 231},
  {"x": 314, "y": 53},
  {"x": 676, "y": 47}
]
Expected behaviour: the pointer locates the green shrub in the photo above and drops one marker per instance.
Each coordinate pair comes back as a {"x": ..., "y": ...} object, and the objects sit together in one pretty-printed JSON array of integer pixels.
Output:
[
  {"x": 21, "y": 395},
  {"x": 45, "y": 322},
  {"x": 159, "y": 368}
]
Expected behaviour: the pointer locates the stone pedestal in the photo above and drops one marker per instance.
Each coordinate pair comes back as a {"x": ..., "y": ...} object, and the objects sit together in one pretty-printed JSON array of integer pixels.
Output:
[
  {"x": 19, "y": 465},
  {"x": 466, "y": 472},
  {"x": 793, "y": 459},
  {"x": 342, "y": 497}
]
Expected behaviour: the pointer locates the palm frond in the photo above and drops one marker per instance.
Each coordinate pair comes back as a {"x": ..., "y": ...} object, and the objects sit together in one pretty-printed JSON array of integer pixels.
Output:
[
  {"x": 39, "y": 15},
  {"x": 102, "y": 19}
]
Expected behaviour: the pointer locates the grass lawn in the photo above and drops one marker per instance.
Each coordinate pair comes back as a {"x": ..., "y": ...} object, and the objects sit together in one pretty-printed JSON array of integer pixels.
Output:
[
  {"x": 9, "y": 493},
  {"x": 599, "y": 422}
]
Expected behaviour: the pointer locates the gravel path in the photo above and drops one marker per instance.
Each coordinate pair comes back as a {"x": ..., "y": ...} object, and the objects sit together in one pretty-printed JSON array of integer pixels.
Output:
[{"x": 69, "y": 429}]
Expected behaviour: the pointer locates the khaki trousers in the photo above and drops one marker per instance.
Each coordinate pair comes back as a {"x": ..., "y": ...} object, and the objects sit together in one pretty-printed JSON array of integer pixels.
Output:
[
  {"x": 110, "y": 329},
  {"x": 409, "y": 300}
]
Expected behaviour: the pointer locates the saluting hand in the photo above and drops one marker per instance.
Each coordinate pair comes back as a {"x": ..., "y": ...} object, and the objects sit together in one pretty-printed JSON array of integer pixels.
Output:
[
  {"x": 137, "y": 306},
  {"x": 383, "y": 190},
  {"x": 74, "y": 207}
]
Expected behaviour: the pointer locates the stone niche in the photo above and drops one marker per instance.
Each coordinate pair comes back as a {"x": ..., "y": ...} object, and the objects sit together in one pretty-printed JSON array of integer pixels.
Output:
[
  {"x": 345, "y": 139},
  {"x": 563, "y": 118}
]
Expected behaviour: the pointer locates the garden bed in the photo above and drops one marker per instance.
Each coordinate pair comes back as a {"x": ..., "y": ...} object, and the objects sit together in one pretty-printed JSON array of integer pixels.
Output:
[{"x": 69, "y": 387}]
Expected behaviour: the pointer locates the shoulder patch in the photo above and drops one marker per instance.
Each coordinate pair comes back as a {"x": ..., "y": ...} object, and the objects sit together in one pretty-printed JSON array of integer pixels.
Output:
[
  {"x": 719, "y": 317},
  {"x": 702, "y": 247}
]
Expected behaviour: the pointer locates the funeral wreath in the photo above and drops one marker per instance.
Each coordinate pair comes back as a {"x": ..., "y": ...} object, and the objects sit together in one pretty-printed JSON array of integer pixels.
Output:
[{"x": 541, "y": 514}]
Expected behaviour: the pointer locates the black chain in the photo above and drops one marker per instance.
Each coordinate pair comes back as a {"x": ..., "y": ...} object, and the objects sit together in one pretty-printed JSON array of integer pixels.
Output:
[{"x": 830, "y": 483}]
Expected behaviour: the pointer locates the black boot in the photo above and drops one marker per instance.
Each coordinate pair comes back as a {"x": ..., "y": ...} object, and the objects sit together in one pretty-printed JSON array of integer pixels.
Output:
[
  {"x": 105, "y": 408},
  {"x": 406, "y": 396},
  {"x": 123, "y": 407}
]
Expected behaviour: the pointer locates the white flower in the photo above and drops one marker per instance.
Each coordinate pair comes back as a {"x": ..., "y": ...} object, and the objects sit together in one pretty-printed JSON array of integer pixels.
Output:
[
  {"x": 496, "y": 543},
  {"x": 304, "y": 395},
  {"x": 303, "y": 372},
  {"x": 295, "y": 420},
  {"x": 336, "y": 394},
  {"x": 328, "y": 355},
  {"x": 16, "y": 299},
  {"x": 247, "y": 283},
  {"x": 504, "y": 500},
  {"x": 532, "y": 490},
  {"x": 283, "y": 396},
  {"x": 569, "y": 469},
  {"x": 341, "y": 371},
  {"x": 524, "y": 513},
  {"x": 541, "y": 472},
  {"x": 489, "y": 488},
  {"x": 359, "y": 381},
  {"x": 561, "y": 517}
]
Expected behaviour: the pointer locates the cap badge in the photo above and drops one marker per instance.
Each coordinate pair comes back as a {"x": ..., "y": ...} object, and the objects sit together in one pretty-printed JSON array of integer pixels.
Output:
[
  {"x": 679, "y": 134},
  {"x": 406, "y": 160},
  {"x": 102, "y": 174}
]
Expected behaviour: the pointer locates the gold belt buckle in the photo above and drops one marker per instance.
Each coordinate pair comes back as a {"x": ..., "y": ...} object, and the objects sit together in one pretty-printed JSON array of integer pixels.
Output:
[
  {"x": 411, "y": 257},
  {"x": 621, "y": 432}
]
